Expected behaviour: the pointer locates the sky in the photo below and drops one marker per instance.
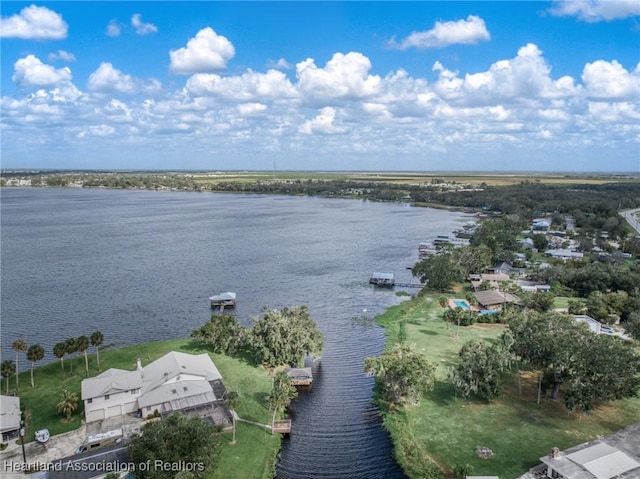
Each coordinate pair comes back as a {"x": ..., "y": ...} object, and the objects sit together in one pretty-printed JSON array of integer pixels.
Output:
[{"x": 324, "y": 86}]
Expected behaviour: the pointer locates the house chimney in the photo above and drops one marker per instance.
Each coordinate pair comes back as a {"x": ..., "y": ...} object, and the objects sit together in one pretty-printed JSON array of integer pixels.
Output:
[
  {"x": 555, "y": 453},
  {"x": 139, "y": 364}
]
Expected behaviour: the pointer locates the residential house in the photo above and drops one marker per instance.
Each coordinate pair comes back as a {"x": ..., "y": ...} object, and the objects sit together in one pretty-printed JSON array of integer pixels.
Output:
[
  {"x": 616, "y": 456},
  {"x": 594, "y": 325},
  {"x": 540, "y": 225},
  {"x": 493, "y": 279},
  {"x": 532, "y": 286},
  {"x": 10, "y": 417},
  {"x": 493, "y": 299},
  {"x": 564, "y": 254},
  {"x": 175, "y": 382}
]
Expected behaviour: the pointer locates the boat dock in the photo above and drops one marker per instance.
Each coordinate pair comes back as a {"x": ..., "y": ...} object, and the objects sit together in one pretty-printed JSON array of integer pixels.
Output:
[
  {"x": 384, "y": 280},
  {"x": 300, "y": 376},
  {"x": 223, "y": 300}
]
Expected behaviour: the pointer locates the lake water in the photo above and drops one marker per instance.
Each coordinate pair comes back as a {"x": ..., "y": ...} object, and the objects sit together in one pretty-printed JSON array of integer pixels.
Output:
[{"x": 140, "y": 266}]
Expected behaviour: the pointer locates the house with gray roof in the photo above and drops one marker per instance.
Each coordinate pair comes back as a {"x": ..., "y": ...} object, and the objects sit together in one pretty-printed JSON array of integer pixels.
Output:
[
  {"x": 616, "y": 456},
  {"x": 10, "y": 417},
  {"x": 175, "y": 382}
]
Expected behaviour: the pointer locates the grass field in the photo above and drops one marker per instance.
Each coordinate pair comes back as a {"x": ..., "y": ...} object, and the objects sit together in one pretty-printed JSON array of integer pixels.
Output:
[
  {"x": 253, "y": 455},
  {"x": 448, "y": 429},
  {"x": 496, "y": 179}
]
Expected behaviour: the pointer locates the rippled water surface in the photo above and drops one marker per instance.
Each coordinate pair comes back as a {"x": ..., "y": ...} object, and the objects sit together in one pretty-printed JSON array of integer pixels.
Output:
[{"x": 140, "y": 265}]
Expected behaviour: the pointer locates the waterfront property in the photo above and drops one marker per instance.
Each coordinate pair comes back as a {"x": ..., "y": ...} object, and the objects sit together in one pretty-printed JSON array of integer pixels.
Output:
[
  {"x": 9, "y": 417},
  {"x": 493, "y": 299},
  {"x": 175, "y": 382}
]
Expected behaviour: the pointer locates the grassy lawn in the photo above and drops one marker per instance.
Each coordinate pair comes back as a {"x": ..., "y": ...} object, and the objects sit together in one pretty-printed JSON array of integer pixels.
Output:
[
  {"x": 448, "y": 429},
  {"x": 253, "y": 455}
]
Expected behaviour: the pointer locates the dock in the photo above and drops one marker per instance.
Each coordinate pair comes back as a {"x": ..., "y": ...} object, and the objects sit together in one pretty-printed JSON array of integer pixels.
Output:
[
  {"x": 384, "y": 280},
  {"x": 283, "y": 426},
  {"x": 223, "y": 300},
  {"x": 300, "y": 376}
]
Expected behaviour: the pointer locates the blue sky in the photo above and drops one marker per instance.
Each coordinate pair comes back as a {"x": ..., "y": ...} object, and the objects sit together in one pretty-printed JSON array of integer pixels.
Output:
[{"x": 421, "y": 86}]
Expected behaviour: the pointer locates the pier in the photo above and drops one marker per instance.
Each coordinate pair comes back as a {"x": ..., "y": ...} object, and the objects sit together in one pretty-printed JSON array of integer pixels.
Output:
[{"x": 223, "y": 300}]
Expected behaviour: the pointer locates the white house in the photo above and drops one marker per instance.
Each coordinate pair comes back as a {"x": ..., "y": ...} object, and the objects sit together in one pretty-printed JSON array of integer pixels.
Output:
[
  {"x": 177, "y": 381},
  {"x": 9, "y": 417},
  {"x": 112, "y": 393}
]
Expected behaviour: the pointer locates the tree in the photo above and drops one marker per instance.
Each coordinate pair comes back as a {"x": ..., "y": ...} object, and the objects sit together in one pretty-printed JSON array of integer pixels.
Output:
[
  {"x": 632, "y": 325},
  {"x": 68, "y": 403},
  {"x": 438, "y": 271},
  {"x": 231, "y": 403},
  {"x": 71, "y": 346},
  {"x": 282, "y": 393},
  {"x": 19, "y": 346},
  {"x": 402, "y": 374},
  {"x": 7, "y": 369},
  {"x": 35, "y": 353},
  {"x": 479, "y": 370},
  {"x": 96, "y": 339},
  {"x": 222, "y": 333},
  {"x": 176, "y": 440},
  {"x": 540, "y": 302},
  {"x": 59, "y": 350},
  {"x": 540, "y": 242},
  {"x": 82, "y": 344},
  {"x": 285, "y": 336}
]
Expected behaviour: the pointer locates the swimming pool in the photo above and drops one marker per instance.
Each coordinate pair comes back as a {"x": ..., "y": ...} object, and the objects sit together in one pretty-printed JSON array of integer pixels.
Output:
[{"x": 461, "y": 303}]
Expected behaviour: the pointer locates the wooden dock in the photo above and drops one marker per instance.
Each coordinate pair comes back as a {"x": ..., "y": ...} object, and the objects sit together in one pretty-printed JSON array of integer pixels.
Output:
[
  {"x": 300, "y": 376},
  {"x": 283, "y": 426}
]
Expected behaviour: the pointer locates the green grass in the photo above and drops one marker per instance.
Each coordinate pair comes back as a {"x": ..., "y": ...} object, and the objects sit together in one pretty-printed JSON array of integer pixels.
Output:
[
  {"x": 253, "y": 454},
  {"x": 447, "y": 429}
]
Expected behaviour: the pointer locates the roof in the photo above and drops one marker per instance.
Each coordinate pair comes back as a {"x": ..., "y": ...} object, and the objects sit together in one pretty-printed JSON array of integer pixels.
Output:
[
  {"x": 228, "y": 296},
  {"x": 493, "y": 297},
  {"x": 179, "y": 392},
  {"x": 382, "y": 275},
  {"x": 616, "y": 456},
  {"x": 9, "y": 413},
  {"x": 174, "y": 364},
  {"x": 111, "y": 381},
  {"x": 494, "y": 277},
  {"x": 299, "y": 372}
]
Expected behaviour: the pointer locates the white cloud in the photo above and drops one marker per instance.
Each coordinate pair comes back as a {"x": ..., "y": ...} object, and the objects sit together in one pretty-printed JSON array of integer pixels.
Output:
[
  {"x": 344, "y": 76},
  {"x": 251, "y": 108},
  {"x": 251, "y": 85},
  {"x": 206, "y": 52},
  {"x": 35, "y": 23},
  {"x": 61, "y": 55},
  {"x": 323, "y": 123},
  {"x": 596, "y": 10},
  {"x": 109, "y": 79},
  {"x": 610, "y": 80},
  {"x": 30, "y": 71},
  {"x": 281, "y": 64},
  {"x": 465, "y": 32},
  {"x": 114, "y": 28},
  {"x": 141, "y": 27}
]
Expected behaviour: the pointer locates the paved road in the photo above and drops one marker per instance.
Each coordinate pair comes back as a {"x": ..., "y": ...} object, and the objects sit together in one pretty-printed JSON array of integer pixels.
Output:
[{"x": 632, "y": 218}]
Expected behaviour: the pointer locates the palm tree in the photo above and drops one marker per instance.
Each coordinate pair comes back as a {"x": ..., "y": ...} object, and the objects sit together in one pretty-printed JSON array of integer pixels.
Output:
[
  {"x": 70, "y": 346},
  {"x": 82, "y": 344},
  {"x": 96, "y": 339},
  {"x": 231, "y": 403},
  {"x": 59, "y": 350},
  {"x": 7, "y": 369},
  {"x": 19, "y": 345},
  {"x": 34, "y": 353},
  {"x": 68, "y": 404}
]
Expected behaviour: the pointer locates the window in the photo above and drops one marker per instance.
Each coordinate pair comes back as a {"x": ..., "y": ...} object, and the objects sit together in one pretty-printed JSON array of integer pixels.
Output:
[
  {"x": 90, "y": 400},
  {"x": 173, "y": 391},
  {"x": 135, "y": 391},
  {"x": 106, "y": 397},
  {"x": 185, "y": 388}
]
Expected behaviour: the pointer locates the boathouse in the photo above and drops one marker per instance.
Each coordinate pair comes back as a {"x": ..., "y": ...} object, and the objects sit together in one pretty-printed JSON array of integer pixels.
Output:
[
  {"x": 223, "y": 300},
  {"x": 382, "y": 279},
  {"x": 300, "y": 376}
]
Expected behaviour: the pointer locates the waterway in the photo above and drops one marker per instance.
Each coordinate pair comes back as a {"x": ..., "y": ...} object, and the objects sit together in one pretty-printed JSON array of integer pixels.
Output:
[{"x": 140, "y": 265}]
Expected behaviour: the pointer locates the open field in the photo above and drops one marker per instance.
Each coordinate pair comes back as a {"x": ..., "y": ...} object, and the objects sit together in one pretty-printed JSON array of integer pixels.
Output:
[
  {"x": 448, "y": 429},
  {"x": 496, "y": 179},
  {"x": 253, "y": 455}
]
